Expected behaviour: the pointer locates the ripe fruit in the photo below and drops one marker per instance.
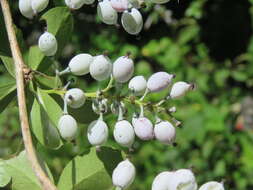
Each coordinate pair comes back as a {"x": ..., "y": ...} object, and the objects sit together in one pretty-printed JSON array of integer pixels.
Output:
[
  {"x": 143, "y": 128},
  {"x": 39, "y": 5},
  {"x": 97, "y": 132},
  {"x": 106, "y": 13},
  {"x": 75, "y": 97},
  {"x": 25, "y": 8},
  {"x": 183, "y": 179},
  {"x": 123, "y": 175},
  {"x": 123, "y": 69},
  {"x": 165, "y": 132},
  {"x": 179, "y": 89},
  {"x": 101, "y": 67},
  {"x": 74, "y": 4},
  {"x": 159, "y": 81},
  {"x": 48, "y": 44},
  {"x": 67, "y": 127},
  {"x": 124, "y": 133},
  {"x": 80, "y": 64},
  {"x": 138, "y": 85},
  {"x": 132, "y": 21},
  {"x": 161, "y": 181},
  {"x": 212, "y": 185},
  {"x": 119, "y": 5},
  {"x": 159, "y": 1}
]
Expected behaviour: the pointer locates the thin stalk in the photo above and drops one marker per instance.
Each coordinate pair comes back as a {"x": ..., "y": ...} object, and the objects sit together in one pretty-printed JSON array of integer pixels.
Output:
[{"x": 19, "y": 68}]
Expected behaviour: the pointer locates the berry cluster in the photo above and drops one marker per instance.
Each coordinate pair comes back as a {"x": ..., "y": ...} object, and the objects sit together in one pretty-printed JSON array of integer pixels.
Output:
[
  {"x": 100, "y": 68},
  {"x": 107, "y": 10}
]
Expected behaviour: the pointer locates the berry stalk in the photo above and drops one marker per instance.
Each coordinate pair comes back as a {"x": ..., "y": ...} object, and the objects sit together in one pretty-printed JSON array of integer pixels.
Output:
[{"x": 19, "y": 67}]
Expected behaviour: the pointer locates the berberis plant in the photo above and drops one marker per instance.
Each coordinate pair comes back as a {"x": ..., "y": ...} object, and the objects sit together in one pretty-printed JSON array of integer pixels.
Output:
[{"x": 55, "y": 107}]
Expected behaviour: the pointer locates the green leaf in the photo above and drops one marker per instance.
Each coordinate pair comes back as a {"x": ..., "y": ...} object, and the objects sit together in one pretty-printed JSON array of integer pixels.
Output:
[
  {"x": 37, "y": 60},
  {"x": 91, "y": 171},
  {"x": 83, "y": 114},
  {"x": 7, "y": 93},
  {"x": 8, "y": 63},
  {"x": 60, "y": 23},
  {"x": 48, "y": 81},
  {"x": 51, "y": 107},
  {"x": 43, "y": 128},
  {"x": 4, "y": 176},
  {"x": 23, "y": 177},
  {"x": 4, "y": 47}
]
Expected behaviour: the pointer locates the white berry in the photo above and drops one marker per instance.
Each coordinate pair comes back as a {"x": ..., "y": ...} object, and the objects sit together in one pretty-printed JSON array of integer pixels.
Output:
[
  {"x": 80, "y": 64},
  {"x": 212, "y": 185},
  {"x": 138, "y": 85},
  {"x": 179, "y": 89},
  {"x": 124, "y": 133},
  {"x": 143, "y": 128},
  {"x": 159, "y": 81},
  {"x": 39, "y": 5},
  {"x": 97, "y": 132},
  {"x": 75, "y": 97},
  {"x": 106, "y": 13},
  {"x": 183, "y": 179},
  {"x": 161, "y": 181},
  {"x": 123, "y": 69},
  {"x": 123, "y": 175},
  {"x": 119, "y": 5},
  {"x": 48, "y": 44},
  {"x": 165, "y": 132},
  {"x": 132, "y": 21},
  {"x": 101, "y": 67},
  {"x": 25, "y": 8},
  {"x": 74, "y": 4},
  {"x": 67, "y": 127}
]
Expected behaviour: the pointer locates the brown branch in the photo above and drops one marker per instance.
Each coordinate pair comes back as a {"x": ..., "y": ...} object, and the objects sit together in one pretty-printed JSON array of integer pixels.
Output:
[{"x": 19, "y": 67}]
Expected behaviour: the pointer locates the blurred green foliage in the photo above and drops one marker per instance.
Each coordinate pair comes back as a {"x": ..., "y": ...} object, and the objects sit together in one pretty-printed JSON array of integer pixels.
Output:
[{"x": 206, "y": 42}]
